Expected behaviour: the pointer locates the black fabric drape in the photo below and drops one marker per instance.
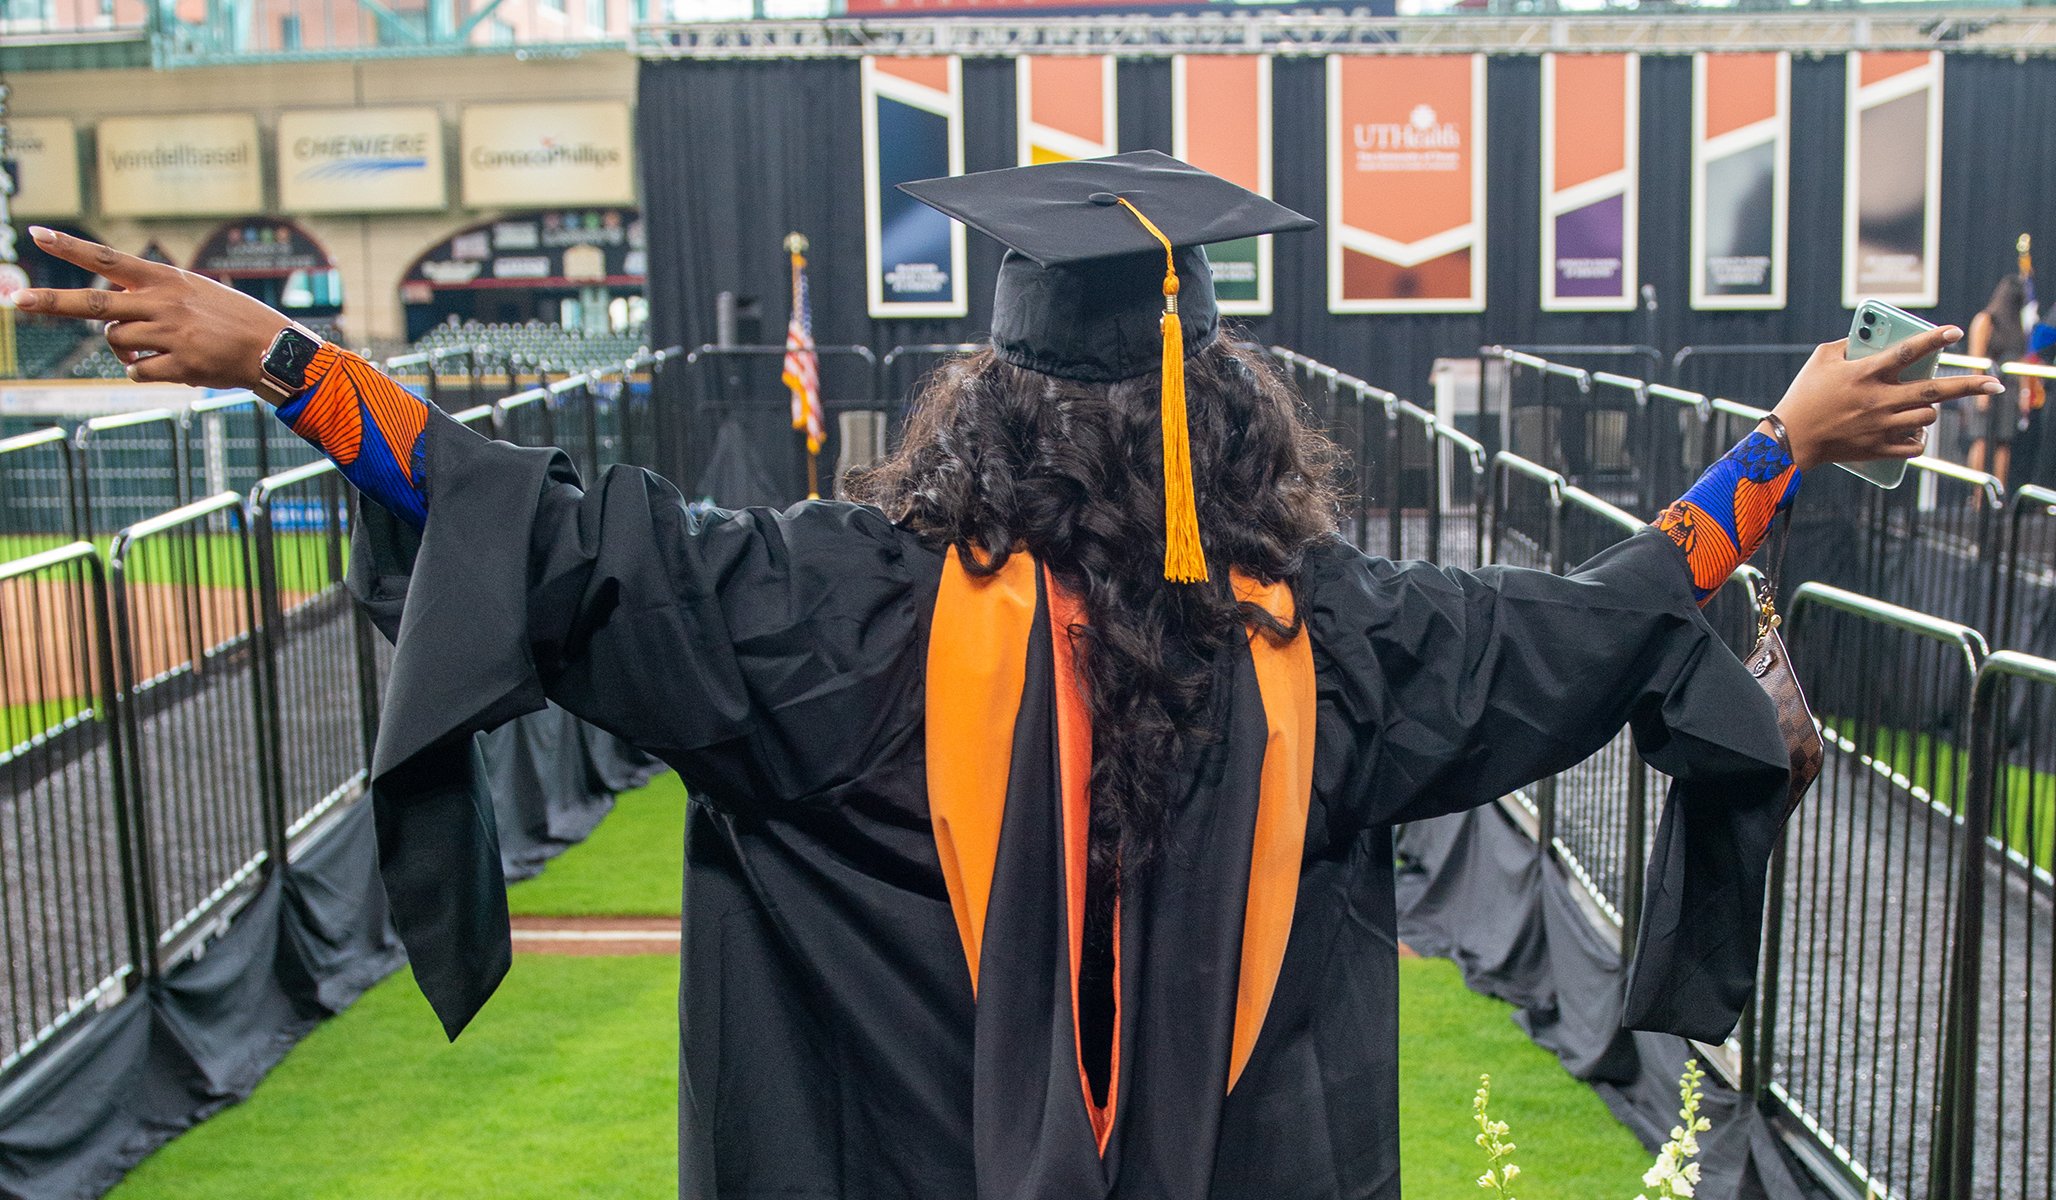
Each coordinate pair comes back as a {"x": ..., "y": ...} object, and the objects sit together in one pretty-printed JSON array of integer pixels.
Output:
[
  {"x": 736, "y": 154},
  {"x": 181, "y": 1048}
]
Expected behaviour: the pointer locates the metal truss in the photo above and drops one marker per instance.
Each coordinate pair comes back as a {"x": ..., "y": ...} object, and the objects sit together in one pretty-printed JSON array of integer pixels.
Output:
[{"x": 2000, "y": 31}]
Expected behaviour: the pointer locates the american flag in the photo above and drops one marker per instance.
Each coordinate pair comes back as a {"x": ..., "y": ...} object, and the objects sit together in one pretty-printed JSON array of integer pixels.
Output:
[{"x": 802, "y": 367}]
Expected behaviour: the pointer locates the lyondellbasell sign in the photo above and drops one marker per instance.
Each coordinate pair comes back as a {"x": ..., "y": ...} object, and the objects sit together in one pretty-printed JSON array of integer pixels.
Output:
[
  {"x": 361, "y": 160},
  {"x": 195, "y": 165},
  {"x": 544, "y": 155}
]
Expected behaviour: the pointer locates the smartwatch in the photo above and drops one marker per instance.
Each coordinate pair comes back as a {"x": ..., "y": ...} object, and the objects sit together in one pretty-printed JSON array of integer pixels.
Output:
[{"x": 284, "y": 366}]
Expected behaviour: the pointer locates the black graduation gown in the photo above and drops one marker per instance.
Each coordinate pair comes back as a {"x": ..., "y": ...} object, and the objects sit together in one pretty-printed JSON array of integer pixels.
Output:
[{"x": 832, "y": 1044}]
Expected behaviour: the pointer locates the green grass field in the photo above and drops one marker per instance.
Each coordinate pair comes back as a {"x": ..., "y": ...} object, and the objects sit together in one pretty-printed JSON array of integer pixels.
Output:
[
  {"x": 632, "y": 865},
  {"x": 2024, "y": 815},
  {"x": 565, "y": 1086},
  {"x": 20, "y": 722},
  {"x": 302, "y": 559}
]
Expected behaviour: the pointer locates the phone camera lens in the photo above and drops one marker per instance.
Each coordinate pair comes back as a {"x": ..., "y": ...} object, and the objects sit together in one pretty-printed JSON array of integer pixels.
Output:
[{"x": 1864, "y": 333}]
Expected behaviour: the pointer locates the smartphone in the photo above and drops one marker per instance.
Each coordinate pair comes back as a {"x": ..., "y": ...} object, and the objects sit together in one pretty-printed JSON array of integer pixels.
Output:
[{"x": 1876, "y": 328}]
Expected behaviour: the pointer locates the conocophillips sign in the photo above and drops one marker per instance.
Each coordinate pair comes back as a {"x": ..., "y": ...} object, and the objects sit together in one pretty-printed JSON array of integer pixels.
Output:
[
  {"x": 361, "y": 160},
  {"x": 543, "y": 155}
]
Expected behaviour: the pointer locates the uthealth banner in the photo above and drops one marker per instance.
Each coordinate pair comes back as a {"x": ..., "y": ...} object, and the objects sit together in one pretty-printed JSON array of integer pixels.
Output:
[
  {"x": 1406, "y": 184},
  {"x": 1064, "y": 108},
  {"x": 1221, "y": 122},
  {"x": 1892, "y": 186},
  {"x": 1741, "y": 178},
  {"x": 913, "y": 115},
  {"x": 1591, "y": 129}
]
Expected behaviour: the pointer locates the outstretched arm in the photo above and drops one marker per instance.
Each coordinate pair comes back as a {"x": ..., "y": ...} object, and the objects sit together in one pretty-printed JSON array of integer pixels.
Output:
[
  {"x": 172, "y": 326},
  {"x": 1836, "y": 411}
]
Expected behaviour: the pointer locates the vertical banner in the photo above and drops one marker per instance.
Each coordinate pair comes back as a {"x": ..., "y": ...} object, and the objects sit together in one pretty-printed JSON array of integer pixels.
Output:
[
  {"x": 1591, "y": 135},
  {"x": 1221, "y": 122},
  {"x": 1406, "y": 183},
  {"x": 1064, "y": 107},
  {"x": 913, "y": 129},
  {"x": 1892, "y": 186},
  {"x": 1741, "y": 178}
]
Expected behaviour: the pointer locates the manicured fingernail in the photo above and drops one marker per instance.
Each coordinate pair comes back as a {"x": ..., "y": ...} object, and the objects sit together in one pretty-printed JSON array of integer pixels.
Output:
[
  {"x": 1991, "y": 387},
  {"x": 25, "y": 299},
  {"x": 1952, "y": 333},
  {"x": 42, "y": 234}
]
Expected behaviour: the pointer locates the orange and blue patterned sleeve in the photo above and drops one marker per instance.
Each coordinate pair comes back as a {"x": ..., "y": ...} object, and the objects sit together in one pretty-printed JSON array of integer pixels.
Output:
[
  {"x": 369, "y": 425},
  {"x": 1721, "y": 521}
]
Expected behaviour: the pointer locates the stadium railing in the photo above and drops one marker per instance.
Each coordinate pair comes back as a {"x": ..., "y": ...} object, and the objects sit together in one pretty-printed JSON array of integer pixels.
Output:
[
  {"x": 71, "y": 933},
  {"x": 1862, "y": 905},
  {"x": 191, "y": 701},
  {"x": 1997, "y": 1121},
  {"x": 320, "y": 686},
  {"x": 130, "y": 466},
  {"x": 39, "y": 487}
]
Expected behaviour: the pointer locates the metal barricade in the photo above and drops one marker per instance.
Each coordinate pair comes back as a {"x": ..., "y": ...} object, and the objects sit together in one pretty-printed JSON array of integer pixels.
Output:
[
  {"x": 2027, "y": 606},
  {"x": 1996, "y": 1136},
  {"x": 525, "y": 418},
  {"x": 1751, "y": 369},
  {"x": 1461, "y": 500},
  {"x": 190, "y": 699},
  {"x": 232, "y": 441},
  {"x": 900, "y": 384},
  {"x": 39, "y": 501},
  {"x": 1601, "y": 809},
  {"x": 130, "y": 467},
  {"x": 1527, "y": 513},
  {"x": 319, "y": 650},
  {"x": 849, "y": 384},
  {"x": 70, "y": 936},
  {"x": 1413, "y": 481},
  {"x": 1862, "y": 891}
]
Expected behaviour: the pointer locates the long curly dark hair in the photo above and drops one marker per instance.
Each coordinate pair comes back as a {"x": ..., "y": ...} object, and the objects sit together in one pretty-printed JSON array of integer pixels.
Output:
[{"x": 998, "y": 459}]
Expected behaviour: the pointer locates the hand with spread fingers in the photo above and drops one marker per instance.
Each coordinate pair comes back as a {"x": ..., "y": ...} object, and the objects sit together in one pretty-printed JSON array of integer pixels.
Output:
[
  {"x": 164, "y": 324},
  {"x": 1844, "y": 411}
]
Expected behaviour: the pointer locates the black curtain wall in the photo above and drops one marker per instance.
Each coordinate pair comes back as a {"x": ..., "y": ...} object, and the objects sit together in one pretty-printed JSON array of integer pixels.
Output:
[{"x": 736, "y": 154}]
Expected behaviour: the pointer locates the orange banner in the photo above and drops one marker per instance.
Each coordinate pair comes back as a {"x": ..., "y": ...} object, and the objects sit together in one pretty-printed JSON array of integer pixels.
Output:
[
  {"x": 1064, "y": 107},
  {"x": 1892, "y": 185},
  {"x": 1591, "y": 135},
  {"x": 1221, "y": 122},
  {"x": 1741, "y": 179},
  {"x": 1406, "y": 183}
]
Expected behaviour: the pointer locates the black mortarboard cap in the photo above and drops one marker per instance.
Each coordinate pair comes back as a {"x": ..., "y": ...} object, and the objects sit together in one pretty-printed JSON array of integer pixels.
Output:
[
  {"x": 1105, "y": 279},
  {"x": 1080, "y": 293}
]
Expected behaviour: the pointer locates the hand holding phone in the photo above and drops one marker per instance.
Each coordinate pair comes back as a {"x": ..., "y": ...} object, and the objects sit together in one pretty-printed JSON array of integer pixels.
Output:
[{"x": 1876, "y": 328}]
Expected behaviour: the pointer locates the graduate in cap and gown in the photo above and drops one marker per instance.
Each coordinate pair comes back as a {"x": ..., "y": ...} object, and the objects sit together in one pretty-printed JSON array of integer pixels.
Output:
[{"x": 1040, "y": 842}]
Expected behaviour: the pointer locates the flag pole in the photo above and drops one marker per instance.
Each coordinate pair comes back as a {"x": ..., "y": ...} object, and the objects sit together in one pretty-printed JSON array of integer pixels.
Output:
[{"x": 796, "y": 249}]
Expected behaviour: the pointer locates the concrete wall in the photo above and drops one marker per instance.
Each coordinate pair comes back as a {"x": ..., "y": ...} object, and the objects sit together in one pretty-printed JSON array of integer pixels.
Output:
[{"x": 372, "y": 252}]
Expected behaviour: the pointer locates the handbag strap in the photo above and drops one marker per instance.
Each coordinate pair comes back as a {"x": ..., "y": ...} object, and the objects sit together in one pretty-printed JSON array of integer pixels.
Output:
[{"x": 1767, "y": 617}]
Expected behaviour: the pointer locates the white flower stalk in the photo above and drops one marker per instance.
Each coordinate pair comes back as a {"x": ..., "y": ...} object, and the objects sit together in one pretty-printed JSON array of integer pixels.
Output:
[
  {"x": 1674, "y": 1175},
  {"x": 1499, "y": 1175}
]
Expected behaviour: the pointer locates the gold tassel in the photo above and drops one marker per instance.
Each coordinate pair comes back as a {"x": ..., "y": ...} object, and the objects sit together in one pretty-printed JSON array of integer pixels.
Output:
[{"x": 1184, "y": 557}]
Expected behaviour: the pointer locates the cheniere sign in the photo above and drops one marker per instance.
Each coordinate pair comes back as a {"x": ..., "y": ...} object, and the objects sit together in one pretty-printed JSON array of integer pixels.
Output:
[{"x": 360, "y": 160}]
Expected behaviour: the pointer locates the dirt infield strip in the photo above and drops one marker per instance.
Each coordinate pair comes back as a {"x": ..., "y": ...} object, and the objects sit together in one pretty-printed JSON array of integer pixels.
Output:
[{"x": 596, "y": 935}]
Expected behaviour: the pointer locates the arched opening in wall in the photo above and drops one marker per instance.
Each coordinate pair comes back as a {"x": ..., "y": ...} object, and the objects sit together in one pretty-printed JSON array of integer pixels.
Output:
[
  {"x": 279, "y": 263},
  {"x": 563, "y": 287}
]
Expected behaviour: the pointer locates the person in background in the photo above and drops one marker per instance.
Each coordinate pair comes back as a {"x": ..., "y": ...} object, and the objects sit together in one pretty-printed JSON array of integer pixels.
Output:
[{"x": 1996, "y": 333}]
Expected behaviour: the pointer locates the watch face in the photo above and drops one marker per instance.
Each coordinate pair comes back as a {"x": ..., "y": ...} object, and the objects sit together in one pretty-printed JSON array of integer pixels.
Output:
[{"x": 292, "y": 352}]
